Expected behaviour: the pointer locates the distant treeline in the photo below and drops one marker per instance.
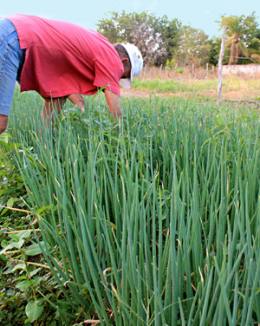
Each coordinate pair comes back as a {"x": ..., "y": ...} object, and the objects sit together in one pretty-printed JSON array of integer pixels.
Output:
[{"x": 166, "y": 42}]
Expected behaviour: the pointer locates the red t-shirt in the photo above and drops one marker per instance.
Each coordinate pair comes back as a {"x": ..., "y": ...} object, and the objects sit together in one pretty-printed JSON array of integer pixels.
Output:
[{"x": 63, "y": 59}]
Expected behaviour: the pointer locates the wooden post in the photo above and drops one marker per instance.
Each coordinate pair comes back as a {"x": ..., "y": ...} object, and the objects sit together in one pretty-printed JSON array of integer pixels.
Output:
[
  {"x": 193, "y": 70},
  {"x": 207, "y": 70},
  {"x": 220, "y": 68}
]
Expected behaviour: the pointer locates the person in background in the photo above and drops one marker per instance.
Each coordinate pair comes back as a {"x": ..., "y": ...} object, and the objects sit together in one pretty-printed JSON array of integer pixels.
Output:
[{"x": 61, "y": 61}]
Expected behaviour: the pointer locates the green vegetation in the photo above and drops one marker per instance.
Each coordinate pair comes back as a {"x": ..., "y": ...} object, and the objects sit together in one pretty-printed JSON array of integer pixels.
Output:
[
  {"x": 153, "y": 220},
  {"x": 28, "y": 290},
  {"x": 202, "y": 87},
  {"x": 156, "y": 37},
  {"x": 173, "y": 86},
  {"x": 167, "y": 42},
  {"x": 242, "y": 38}
]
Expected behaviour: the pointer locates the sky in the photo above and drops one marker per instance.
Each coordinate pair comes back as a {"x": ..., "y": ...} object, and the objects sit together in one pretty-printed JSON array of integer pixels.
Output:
[{"x": 202, "y": 14}]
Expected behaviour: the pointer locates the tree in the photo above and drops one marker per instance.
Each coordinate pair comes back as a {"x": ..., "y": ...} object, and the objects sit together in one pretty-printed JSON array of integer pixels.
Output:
[
  {"x": 155, "y": 37},
  {"x": 254, "y": 47},
  {"x": 193, "y": 47},
  {"x": 170, "y": 31},
  {"x": 242, "y": 37},
  {"x": 215, "y": 44}
]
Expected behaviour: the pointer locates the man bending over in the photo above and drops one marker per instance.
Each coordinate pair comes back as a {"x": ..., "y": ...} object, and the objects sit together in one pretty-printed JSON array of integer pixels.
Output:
[{"x": 61, "y": 61}]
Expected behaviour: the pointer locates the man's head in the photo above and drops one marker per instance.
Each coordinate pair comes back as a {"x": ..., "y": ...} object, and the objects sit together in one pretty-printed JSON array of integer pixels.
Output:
[{"x": 132, "y": 60}]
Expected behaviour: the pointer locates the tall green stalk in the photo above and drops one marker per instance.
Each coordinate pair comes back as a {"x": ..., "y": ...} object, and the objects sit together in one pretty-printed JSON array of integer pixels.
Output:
[{"x": 154, "y": 220}]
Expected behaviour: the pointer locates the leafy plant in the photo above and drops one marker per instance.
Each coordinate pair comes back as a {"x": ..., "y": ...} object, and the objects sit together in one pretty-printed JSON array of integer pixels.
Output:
[{"x": 28, "y": 292}]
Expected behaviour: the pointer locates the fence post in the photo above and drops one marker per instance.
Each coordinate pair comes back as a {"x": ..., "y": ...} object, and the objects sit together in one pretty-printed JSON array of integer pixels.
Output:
[
  {"x": 207, "y": 70},
  {"x": 220, "y": 68}
]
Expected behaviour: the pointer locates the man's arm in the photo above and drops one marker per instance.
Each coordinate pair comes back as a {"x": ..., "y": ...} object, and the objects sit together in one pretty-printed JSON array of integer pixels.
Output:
[{"x": 113, "y": 102}]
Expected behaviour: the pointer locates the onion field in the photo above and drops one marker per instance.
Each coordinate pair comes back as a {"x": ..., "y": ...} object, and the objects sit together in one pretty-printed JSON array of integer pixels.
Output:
[{"x": 150, "y": 220}]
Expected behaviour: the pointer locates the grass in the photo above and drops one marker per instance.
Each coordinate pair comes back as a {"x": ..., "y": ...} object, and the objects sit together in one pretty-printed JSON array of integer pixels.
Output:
[
  {"x": 151, "y": 221},
  {"x": 233, "y": 87},
  {"x": 174, "y": 85}
]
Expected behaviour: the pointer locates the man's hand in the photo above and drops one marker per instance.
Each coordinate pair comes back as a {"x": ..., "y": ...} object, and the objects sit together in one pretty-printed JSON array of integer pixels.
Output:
[
  {"x": 77, "y": 100},
  {"x": 3, "y": 123},
  {"x": 113, "y": 102}
]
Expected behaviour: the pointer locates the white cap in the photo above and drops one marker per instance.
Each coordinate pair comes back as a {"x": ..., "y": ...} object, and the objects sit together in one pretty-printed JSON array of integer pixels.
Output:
[{"x": 137, "y": 62}]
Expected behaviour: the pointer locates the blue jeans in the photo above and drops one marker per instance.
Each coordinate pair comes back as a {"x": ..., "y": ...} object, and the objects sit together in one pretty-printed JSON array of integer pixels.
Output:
[{"x": 11, "y": 61}]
